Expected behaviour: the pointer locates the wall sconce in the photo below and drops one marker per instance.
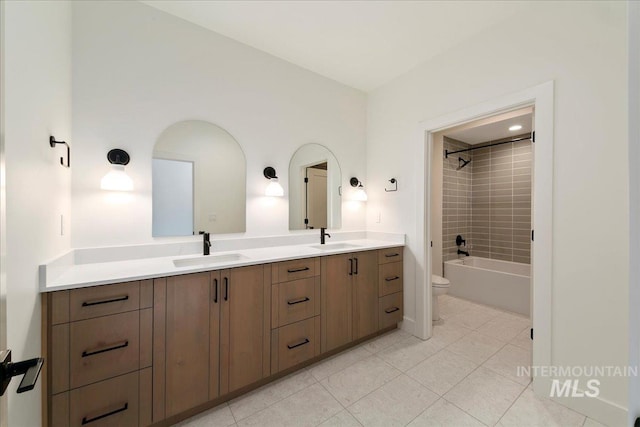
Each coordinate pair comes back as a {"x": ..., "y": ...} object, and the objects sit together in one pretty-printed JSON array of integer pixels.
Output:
[
  {"x": 359, "y": 195},
  {"x": 117, "y": 179},
  {"x": 274, "y": 189}
]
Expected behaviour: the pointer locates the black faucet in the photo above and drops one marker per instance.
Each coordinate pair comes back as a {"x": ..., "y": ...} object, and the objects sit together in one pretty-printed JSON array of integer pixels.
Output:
[
  {"x": 206, "y": 244},
  {"x": 323, "y": 234},
  {"x": 460, "y": 252}
]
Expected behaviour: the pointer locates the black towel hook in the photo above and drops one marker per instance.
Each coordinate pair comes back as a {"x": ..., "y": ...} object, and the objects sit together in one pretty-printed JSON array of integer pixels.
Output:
[{"x": 53, "y": 142}]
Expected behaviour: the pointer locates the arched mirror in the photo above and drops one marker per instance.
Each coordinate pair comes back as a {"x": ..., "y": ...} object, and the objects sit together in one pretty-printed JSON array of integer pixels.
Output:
[
  {"x": 199, "y": 181},
  {"x": 314, "y": 189}
]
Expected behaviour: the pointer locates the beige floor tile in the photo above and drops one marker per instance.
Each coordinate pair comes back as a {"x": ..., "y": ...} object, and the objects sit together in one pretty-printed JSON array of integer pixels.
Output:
[
  {"x": 442, "y": 371},
  {"x": 485, "y": 395},
  {"x": 590, "y": 422},
  {"x": 380, "y": 343},
  {"x": 446, "y": 333},
  {"x": 409, "y": 352},
  {"x": 530, "y": 410},
  {"x": 445, "y": 414},
  {"x": 450, "y": 306},
  {"x": 476, "y": 347},
  {"x": 306, "y": 408},
  {"x": 218, "y": 416},
  {"x": 341, "y": 419},
  {"x": 523, "y": 340},
  {"x": 324, "y": 368},
  {"x": 394, "y": 404},
  {"x": 504, "y": 328},
  {"x": 265, "y": 396},
  {"x": 474, "y": 317},
  {"x": 358, "y": 380},
  {"x": 507, "y": 361}
]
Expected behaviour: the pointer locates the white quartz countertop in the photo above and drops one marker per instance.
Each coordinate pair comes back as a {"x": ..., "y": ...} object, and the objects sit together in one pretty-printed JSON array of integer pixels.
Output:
[{"x": 77, "y": 275}]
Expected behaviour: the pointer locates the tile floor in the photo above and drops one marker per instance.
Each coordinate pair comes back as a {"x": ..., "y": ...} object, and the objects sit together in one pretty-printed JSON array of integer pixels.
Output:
[{"x": 465, "y": 375}]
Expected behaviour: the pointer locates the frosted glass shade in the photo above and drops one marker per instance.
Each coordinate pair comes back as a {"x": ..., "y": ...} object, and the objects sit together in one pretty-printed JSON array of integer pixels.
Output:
[
  {"x": 360, "y": 195},
  {"x": 116, "y": 180},
  {"x": 274, "y": 189}
]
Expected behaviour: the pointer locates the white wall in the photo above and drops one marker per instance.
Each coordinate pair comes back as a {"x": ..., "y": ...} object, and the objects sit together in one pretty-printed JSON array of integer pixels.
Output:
[
  {"x": 582, "y": 46},
  {"x": 137, "y": 70},
  {"x": 38, "y": 104}
]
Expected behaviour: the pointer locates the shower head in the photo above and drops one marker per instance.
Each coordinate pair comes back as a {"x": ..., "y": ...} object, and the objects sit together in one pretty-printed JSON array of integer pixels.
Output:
[{"x": 462, "y": 163}]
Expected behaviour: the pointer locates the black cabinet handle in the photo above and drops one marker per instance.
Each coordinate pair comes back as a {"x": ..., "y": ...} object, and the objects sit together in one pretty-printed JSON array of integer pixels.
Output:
[
  {"x": 86, "y": 420},
  {"x": 215, "y": 291},
  {"x": 104, "y": 350},
  {"x": 391, "y": 310},
  {"x": 391, "y": 255},
  {"x": 391, "y": 279},
  {"x": 305, "y": 341},
  {"x": 105, "y": 301},
  {"x": 298, "y": 301},
  {"x": 350, "y": 266},
  {"x": 356, "y": 272},
  {"x": 226, "y": 288},
  {"x": 297, "y": 270}
]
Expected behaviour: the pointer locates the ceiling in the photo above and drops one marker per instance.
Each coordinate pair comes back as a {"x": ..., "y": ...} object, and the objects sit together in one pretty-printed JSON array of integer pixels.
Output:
[
  {"x": 493, "y": 128},
  {"x": 362, "y": 44}
]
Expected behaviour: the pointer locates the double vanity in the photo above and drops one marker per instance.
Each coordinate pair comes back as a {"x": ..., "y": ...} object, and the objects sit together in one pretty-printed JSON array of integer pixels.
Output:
[{"x": 157, "y": 339}]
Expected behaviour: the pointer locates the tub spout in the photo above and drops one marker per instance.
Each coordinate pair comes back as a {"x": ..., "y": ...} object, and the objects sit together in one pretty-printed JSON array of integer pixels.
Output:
[{"x": 461, "y": 252}]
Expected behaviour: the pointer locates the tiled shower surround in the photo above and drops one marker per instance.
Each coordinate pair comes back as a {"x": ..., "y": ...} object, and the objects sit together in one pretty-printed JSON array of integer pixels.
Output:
[{"x": 488, "y": 201}]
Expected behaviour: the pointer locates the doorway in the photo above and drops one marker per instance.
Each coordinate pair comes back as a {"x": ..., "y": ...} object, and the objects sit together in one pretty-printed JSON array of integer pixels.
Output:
[
  {"x": 316, "y": 196},
  {"x": 541, "y": 99}
]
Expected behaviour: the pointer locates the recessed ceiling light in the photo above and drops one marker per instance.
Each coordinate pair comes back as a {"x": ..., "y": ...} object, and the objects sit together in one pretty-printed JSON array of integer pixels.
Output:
[{"x": 515, "y": 127}]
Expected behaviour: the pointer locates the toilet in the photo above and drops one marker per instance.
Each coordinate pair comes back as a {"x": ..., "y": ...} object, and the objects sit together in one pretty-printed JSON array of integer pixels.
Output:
[{"x": 439, "y": 286}]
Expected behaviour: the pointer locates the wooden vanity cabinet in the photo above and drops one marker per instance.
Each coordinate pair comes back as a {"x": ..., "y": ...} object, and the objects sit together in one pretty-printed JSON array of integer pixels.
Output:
[
  {"x": 97, "y": 344},
  {"x": 349, "y": 293},
  {"x": 211, "y": 336}
]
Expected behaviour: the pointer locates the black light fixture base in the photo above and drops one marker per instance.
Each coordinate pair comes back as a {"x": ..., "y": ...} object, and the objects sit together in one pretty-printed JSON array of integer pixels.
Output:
[
  {"x": 354, "y": 182},
  {"x": 269, "y": 172},
  {"x": 118, "y": 157}
]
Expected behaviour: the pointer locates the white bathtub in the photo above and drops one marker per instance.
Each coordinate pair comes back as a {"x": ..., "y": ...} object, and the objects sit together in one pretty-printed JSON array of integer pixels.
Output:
[{"x": 501, "y": 284}]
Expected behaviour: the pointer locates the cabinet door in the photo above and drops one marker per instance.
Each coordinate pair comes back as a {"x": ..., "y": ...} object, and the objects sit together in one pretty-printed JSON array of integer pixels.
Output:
[
  {"x": 245, "y": 323},
  {"x": 187, "y": 342},
  {"x": 365, "y": 294},
  {"x": 336, "y": 298}
]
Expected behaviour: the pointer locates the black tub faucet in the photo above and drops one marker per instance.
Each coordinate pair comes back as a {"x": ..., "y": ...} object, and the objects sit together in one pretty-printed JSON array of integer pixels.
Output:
[
  {"x": 461, "y": 252},
  {"x": 323, "y": 234},
  {"x": 206, "y": 244}
]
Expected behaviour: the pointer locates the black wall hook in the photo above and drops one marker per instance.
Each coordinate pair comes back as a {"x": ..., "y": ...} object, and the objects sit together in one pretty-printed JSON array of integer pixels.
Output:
[
  {"x": 395, "y": 183},
  {"x": 53, "y": 142}
]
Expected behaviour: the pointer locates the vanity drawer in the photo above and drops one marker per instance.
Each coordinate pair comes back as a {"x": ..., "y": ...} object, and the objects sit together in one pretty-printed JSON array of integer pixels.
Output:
[
  {"x": 87, "y": 303},
  {"x": 296, "y": 269},
  {"x": 113, "y": 402},
  {"x": 295, "y": 343},
  {"x": 296, "y": 300},
  {"x": 390, "y": 310},
  {"x": 389, "y": 278},
  {"x": 104, "y": 347},
  {"x": 389, "y": 255}
]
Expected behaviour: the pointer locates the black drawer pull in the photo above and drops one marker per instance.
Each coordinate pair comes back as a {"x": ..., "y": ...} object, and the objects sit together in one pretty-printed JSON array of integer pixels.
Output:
[
  {"x": 391, "y": 255},
  {"x": 86, "y": 420},
  {"x": 297, "y": 270},
  {"x": 298, "y": 301},
  {"x": 350, "y": 266},
  {"x": 391, "y": 310},
  {"x": 356, "y": 272},
  {"x": 391, "y": 279},
  {"x": 226, "y": 288},
  {"x": 291, "y": 347},
  {"x": 215, "y": 291},
  {"x": 104, "y": 350},
  {"x": 106, "y": 301}
]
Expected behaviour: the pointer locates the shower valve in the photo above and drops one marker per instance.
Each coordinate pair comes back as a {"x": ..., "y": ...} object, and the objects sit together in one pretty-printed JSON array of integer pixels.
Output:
[{"x": 460, "y": 241}]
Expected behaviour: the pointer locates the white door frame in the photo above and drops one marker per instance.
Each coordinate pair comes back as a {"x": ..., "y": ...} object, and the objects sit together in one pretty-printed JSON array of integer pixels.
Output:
[
  {"x": 3, "y": 229},
  {"x": 541, "y": 97}
]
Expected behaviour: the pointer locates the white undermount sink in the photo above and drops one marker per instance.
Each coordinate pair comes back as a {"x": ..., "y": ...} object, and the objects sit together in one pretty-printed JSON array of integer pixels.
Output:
[
  {"x": 335, "y": 246},
  {"x": 207, "y": 260}
]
